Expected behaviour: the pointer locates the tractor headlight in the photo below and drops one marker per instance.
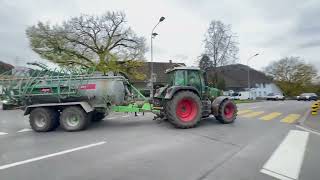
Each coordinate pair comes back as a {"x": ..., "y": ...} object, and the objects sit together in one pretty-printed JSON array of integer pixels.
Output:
[{"x": 4, "y": 101}]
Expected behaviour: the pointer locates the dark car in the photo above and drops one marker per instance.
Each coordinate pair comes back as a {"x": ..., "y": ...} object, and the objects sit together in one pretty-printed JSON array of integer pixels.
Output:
[{"x": 307, "y": 97}]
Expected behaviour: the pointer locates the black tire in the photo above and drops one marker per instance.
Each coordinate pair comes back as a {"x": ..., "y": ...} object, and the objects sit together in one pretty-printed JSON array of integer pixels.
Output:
[
  {"x": 223, "y": 116},
  {"x": 74, "y": 118},
  {"x": 4, "y": 107},
  {"x": 44, "y": 119},
  {"x": 98, "y": 116},
  {"x": 185, "y": 100}
]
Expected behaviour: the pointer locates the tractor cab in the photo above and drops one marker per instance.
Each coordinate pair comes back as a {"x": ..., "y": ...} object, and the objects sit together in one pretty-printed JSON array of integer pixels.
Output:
[{"x": 187, "y": 77}]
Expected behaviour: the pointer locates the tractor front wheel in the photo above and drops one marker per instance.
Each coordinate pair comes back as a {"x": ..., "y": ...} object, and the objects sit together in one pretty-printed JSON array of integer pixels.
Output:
[
  {"x": 227, "y": 112},
  {"x": 184, "y": 110},
  {"x": 97, "y": 116}
]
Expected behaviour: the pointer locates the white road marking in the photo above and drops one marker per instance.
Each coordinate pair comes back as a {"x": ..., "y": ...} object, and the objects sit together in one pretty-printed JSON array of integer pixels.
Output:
[
  {"x": 126, "y": 116},
  {"x": 3, "y": 133},
  {"x": 285, "y": 162},
  {"x": 24, "y": 130},
  {"x": 110, "y": 118},
  {"x": 49, "y": 155},
  {"x": 255, "y": 107},
  {"x": 307, "y": 129}
]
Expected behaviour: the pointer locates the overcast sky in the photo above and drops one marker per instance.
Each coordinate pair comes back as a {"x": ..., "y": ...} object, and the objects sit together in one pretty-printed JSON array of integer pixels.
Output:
[{"x": 272, "y": 28}]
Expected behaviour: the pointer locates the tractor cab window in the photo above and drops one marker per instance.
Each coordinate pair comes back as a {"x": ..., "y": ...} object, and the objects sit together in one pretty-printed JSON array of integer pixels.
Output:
[
  {"x": 179, "y": 78},
  {"x": 194, "y": 79}
]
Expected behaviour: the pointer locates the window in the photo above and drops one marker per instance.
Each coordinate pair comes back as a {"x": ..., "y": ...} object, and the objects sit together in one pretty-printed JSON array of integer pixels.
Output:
[
  {"x": 194, "y": 79},
  {"x": 179, "y": 78}
]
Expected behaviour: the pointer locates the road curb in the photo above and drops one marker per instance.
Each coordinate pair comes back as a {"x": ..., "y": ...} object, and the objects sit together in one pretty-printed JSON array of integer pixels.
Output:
[
  {"x": 301, "y": 122},
  {"x": 304, "y": 117}
]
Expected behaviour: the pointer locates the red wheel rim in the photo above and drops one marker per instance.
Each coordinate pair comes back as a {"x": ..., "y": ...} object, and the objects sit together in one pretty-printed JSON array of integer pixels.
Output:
[
  {"x": 229, "y": 110},
  {"x": 187, "y": 110}
]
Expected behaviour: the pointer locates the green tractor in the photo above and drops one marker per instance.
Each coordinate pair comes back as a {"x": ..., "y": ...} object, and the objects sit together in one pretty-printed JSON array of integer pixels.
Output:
[{"x": 187, "y": 98}]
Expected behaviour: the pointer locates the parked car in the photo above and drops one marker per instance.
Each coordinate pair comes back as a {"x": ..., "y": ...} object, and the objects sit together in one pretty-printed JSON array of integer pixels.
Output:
[
  {"x": 275, "y": 97},
  {"x": 307, "y": 97},
  {"x": 235, "y": 96}
]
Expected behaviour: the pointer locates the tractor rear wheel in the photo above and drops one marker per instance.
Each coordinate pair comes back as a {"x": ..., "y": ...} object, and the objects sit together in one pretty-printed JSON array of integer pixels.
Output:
[
  {"x": 227, "y": 112},
  {"x": 44, "y": 119},
  {"x": 74, "y": 118},
  {"x": 184, "y": 110}
]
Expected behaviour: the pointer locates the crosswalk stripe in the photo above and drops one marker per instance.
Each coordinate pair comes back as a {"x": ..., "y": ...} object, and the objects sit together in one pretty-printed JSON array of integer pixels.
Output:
[
  {"x": 291, "y": 118},
  {"x": 3, "y": 133},
  {"x": 270, "y": 116},
  {"x": 253, "y": 114},
  {"x": 244, "y": 111}
]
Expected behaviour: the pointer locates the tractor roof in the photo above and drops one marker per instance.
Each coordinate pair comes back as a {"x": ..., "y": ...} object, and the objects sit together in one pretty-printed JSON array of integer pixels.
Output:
[{"x": 183, "y": 68}]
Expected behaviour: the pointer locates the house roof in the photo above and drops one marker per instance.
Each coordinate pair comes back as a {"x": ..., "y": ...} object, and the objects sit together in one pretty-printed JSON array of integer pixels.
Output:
[
  {"x": 4, "y": 67},
  {"x": 236, "y": 75},
  {"x": 183, "y": 67},
  {"x": 159, "y": 69}
]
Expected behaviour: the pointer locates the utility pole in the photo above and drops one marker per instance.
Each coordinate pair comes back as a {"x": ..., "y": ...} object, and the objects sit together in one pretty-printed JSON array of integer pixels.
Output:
[
  {"x": 249, "y": 71},
  {"x": 153, "y": 35}
]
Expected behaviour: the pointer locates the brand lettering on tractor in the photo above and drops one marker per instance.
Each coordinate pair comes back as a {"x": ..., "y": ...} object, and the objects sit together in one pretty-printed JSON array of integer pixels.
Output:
[{"x": 88, "y": 87}]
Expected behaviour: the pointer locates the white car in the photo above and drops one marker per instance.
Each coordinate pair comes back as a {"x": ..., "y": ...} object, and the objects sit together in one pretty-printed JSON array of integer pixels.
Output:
[{"x": 275, "y": 97}]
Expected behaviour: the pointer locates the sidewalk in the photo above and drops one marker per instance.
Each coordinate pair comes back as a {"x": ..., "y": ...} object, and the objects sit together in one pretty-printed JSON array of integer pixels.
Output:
[{"x": 313, "y": 122}]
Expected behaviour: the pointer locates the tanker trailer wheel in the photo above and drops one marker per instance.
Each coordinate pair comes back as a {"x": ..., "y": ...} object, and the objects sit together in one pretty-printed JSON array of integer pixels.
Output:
[
  {"x": 44, "y": 119},
  {"x": 184, "y": 110},
  {"x": 227, "y": 112},
  {"x": 74, "y": 118}
]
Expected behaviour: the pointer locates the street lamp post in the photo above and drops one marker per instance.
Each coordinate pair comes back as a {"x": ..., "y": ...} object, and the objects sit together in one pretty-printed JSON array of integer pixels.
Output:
[
  {"x": 249, "y": 71},
  {"x": 153, "y": 35}
]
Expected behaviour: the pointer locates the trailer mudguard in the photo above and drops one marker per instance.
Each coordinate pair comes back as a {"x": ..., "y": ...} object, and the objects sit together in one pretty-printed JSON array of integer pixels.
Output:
[{"x": 85, "y": 106}]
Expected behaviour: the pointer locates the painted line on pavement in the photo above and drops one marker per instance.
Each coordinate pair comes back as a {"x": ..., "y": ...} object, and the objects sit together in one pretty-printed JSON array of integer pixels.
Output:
[
  {"x": 255, "y": 107},
  {"x": 308, "y": 129},
  {"x": 270, "y": 116},
  {"x": 286, "y": 160},
  {"x": 125, "y": 116},
  {"x": 49, "y": 155},
  {"x": 24, "y": 130},
  {"x": 110, "y": 118},
  {"x": 253, "y": 114},
  {"x": 291, "y": 118},
  {"x": 3, "y": 133},
  {"x": 244, "y": 111}
]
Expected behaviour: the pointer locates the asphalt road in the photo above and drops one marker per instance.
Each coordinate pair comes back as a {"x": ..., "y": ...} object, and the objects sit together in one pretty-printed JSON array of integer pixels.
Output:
[{"x": 127, "y": 147}]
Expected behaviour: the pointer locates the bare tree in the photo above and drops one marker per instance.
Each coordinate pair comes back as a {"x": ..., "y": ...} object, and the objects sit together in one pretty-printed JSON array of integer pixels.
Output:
[
  {"x": 106, "y": 42},
  {"x": 292, "y": 75},
  {"x": 220, "y": 45},
  {"x": 292, "y": 70}
]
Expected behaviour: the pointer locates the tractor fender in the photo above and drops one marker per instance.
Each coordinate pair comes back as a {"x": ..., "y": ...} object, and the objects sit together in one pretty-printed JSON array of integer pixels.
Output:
[
  {"x": 216, "y": 103},
  {"x": 174, "y": 89}
]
